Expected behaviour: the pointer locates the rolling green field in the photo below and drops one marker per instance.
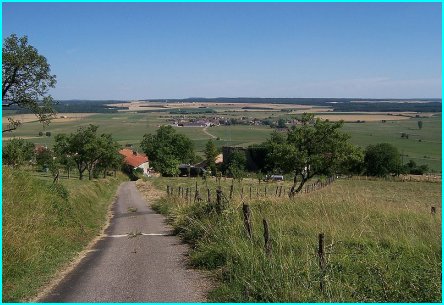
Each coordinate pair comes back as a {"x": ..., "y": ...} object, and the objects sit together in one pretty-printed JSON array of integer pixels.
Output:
[{"x": 422, "y": 146}]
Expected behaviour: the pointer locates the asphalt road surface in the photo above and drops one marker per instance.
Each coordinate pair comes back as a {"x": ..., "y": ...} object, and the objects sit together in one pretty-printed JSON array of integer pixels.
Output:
[{"x": 138, "y": 260}]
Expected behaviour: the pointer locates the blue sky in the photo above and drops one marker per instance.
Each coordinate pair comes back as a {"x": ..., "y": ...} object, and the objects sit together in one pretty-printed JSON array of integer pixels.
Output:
[{"x": 177, "y": 50}]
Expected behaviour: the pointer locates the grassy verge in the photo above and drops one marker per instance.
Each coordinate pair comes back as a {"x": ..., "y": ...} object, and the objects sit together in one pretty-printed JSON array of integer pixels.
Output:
[
  {"x": 44, "y": 227},
  {"x": 382, "y": 242}
]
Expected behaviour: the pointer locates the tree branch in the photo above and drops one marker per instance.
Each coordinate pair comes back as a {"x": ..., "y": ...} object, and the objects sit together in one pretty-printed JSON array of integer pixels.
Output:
[
  {"x": 9, "y": 129},
  {"x": 10, "y": 82}
]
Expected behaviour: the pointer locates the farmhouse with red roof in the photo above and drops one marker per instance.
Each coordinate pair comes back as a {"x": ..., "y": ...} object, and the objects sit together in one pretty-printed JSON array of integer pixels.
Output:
[{"x": 135, "y": 160}]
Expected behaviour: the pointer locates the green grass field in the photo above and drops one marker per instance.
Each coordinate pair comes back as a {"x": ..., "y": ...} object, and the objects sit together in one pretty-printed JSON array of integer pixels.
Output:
[
  {"x": 427, "y": 151},
  {"x": 130, "y": 128},
  {"x": 382, "y": 243}
]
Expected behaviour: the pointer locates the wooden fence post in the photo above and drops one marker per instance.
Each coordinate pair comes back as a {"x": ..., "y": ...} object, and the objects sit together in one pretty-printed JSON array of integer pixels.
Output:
[
  {"x": 197, "y": 195},
  {"x": 433, "y": 210},
  {"x": 231, "y": 190},
  {"x": 280, "y": 191},
  {"x": 250, "y": 192},
  {"x": 247, "y": 218},
  {"x": 267, "y": 242},
  {"x": 218, "y": 199},
  {"x": 208, "y": 195}
]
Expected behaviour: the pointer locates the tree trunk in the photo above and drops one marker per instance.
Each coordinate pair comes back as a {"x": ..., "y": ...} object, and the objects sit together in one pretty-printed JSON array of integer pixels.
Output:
[
  {"x": 80, "y": 172},
  {"x": 296, "y": 189},
  {"x": 68, "y": 171},
  {"x": 90, "y": 171}
]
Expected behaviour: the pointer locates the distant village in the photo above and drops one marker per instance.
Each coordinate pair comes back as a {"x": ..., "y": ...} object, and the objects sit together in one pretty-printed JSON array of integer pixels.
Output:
[{"x": 186, "y": 121}]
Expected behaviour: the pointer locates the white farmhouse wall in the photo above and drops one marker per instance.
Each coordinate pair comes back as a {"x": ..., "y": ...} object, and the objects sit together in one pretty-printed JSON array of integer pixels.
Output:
[{"x": 145, "y": 166}]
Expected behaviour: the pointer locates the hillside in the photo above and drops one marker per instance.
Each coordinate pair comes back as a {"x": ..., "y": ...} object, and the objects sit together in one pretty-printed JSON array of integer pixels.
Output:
[
  {"x": 381, "y": 241},
  {"x": 44, "y": 227}
]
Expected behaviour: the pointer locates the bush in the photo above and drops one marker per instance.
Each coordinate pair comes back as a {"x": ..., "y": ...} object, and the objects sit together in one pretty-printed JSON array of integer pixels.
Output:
[{"x": 382, "y": 159}]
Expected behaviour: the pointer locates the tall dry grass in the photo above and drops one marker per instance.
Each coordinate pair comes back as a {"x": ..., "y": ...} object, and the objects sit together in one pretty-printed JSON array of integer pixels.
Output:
[{"x": 382, "y": 242}]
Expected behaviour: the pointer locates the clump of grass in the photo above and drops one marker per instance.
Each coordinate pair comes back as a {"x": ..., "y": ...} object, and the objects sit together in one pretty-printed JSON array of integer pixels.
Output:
[
  {"x": 132, "y": 210},
  {"x": 382, "y": 243},
  {"x": 45, "y": 226}
]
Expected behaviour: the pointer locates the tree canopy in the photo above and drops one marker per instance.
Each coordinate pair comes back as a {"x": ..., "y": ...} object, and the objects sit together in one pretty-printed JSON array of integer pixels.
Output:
[
  {"x": 382, "y": 159},
  {"x": 17, "y": 151},
  {"x": 315, "y": 147},
  {"x": 167, "y": 149},
  {"x": 211, "y": 153},
  {"x": 88, "y": 150},
  {"x": 26, "y": 80},
  {"x": 420, "y": 124}
]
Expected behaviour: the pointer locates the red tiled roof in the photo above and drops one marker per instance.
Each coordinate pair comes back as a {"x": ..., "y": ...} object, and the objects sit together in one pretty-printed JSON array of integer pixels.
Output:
[{"x": 131, "y": 158}]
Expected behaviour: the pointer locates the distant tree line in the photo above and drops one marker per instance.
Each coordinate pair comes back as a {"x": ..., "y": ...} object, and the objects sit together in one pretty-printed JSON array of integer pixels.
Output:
[
  {"x": 77, "y": 106},
  {"x": 338, "y": 104}
]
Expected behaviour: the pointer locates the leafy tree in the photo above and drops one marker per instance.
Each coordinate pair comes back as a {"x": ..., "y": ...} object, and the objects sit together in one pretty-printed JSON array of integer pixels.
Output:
[
  {"x": 353, "y": 162},
  {"x": 40, "y": 133},
  {"x": 382, "y": 159},
  {"x": 61, "y": 151},
  {"x": 236, "y": 164},
  {"x": 412, "y": 168},
  {"x": 26, "y": 80},
  {"x": 420, "y": 124},
  {"x": 17, "y": 151},
  {"x": 211, "y": 153},
  {"x": 86, "y": 148},
  {"x": 78, "y": 145},
  {"x": 48, "y": 133},
  {"x": 167, "y": 149},
  {"x": 315, "y": 147},
  {"x": 44, "y": 158},
  {"x": 167, "y": 165},
  {"x": 281, "y": 123},
  {"x": 110, "y": 158}
]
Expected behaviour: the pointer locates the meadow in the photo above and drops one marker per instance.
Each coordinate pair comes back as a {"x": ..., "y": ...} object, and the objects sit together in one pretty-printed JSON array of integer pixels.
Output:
[
  {"x": 382, "y": 243},
  {"x": 423, "y": 145}
]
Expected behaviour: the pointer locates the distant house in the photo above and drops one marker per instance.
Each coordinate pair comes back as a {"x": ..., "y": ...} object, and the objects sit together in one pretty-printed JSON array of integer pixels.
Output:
[{"x": 135, "y": 160}]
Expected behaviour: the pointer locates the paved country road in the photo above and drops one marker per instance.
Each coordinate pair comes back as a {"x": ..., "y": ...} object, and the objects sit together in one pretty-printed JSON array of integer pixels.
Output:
[{"x": 149, "y": 267}]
